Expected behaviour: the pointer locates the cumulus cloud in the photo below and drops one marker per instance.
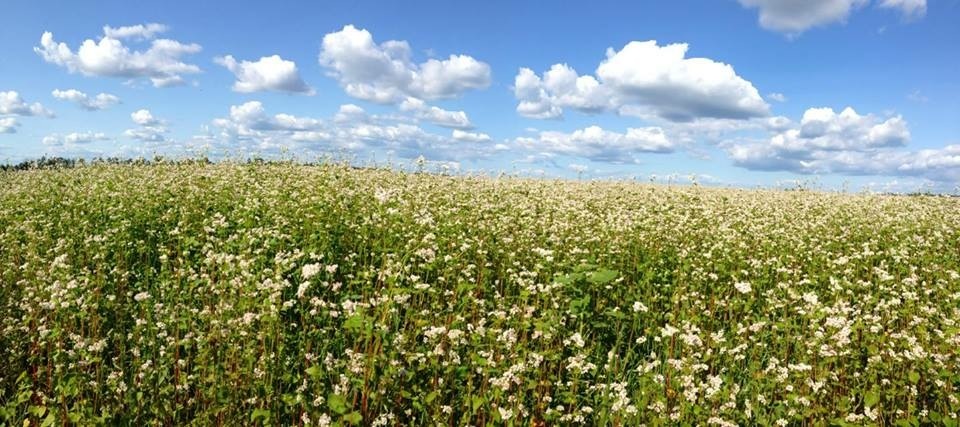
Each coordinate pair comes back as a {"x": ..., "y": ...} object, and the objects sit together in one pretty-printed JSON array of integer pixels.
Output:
[
  {"x": 942, "y": 164},
  {"x": 144, "y": 118},
  {"x": 146, "y": 134},
  {"x": 796, "y": 16},
  {"x": 642, "y": 78},
  {"x": 74, "y": 138},
  {"x": 824, "y": 130},
  {"x": 139, "y": 31},
  {"x": 845, "y": 143},
  {"x": 161, "y": 62},
  {"x": 151, "y": 129},
  {"x": 911, "y": 9},
  {"x": 12, "y": 104},
  {"x": 436, "y": 115},
  {"x": 385, "y": 73},
  {"x": 793, "y": 17},
  {"x": 351, "y": 129},
  {"x": 8, "y": 125},
  {"x": 598, "y": 144},
  {"x": 460, "y": 135},
  {"x": 251, "y": 116},
  {"x": 777, "y": 96},
  {"x": 937, "y": 164},
  {"x": 821, "y": 134},
  {"x": 350, "y": 113},
  {"x": 268, "y": 73},
  {"x": 99, "y": 102}
]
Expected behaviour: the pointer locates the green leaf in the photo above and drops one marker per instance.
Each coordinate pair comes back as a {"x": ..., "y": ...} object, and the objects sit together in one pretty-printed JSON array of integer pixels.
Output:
[
  {"x": 476, "y": 402},
  {"x": 602, "y": 276},
  {"x": 871, "y": 398},
  {"x": 260, "y": 414},
  {"x": 354, "y": 323},
  {"x": 430, "y": 397},
  {"x": 314, "y": 371},
  {"x": 353, "y": 418},
  {"x": 914, "y": 377},
  {"x": 337, "y": 403},
  {"x": 47, "y": 422}
]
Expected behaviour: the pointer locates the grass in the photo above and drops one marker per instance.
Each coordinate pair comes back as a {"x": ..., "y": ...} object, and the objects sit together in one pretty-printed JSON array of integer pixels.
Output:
[{"x": 284, "y": 294}]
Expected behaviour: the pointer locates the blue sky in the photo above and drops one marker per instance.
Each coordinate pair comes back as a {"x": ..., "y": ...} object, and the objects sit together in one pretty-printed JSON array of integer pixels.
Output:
[{"x": 838, "y": 93}]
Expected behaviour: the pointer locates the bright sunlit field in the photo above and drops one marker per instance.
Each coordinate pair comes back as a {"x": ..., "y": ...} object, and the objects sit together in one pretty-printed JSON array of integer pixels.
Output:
[{"x": 284, "y": 294}]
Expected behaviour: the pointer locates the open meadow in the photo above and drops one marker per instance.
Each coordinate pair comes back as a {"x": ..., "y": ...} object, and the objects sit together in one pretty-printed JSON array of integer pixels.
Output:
[{"x": 284, "y": 294}]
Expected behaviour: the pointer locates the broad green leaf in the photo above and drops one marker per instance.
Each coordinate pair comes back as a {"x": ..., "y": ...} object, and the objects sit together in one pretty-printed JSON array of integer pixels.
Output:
[
  {"x": 602, "y": 276},
  {"x": 337, "y": 403},
  {"x": 353, "y": 418}
]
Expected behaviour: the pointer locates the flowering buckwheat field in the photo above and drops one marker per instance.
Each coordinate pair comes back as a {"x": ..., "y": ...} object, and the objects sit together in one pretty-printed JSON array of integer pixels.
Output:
[{"x": 282, "y": 294}]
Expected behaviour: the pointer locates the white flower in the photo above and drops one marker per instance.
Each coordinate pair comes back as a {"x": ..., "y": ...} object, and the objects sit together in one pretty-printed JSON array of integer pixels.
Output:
[
  {"x": 505, "y": 414},
  {"x": 302, "y": 289},
  {"x": 576, "y": 339},
  {"x": 639, "y": 307},
  {"x": 141, "y": 296},
  {"x": 309, "y": 271},
  {"x": 743, "y": 287},
  {"x": 668, "y": 331}
]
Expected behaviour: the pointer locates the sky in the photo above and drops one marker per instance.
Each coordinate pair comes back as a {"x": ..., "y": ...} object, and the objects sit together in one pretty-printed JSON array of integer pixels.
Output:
[{"x": 839, "y": 94}]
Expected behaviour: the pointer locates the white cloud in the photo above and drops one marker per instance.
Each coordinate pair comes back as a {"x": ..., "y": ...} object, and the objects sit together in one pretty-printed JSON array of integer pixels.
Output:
[
  {"x": 598, "y": 144},
  {"x": 823, "y": 129},
  {"x": 99, "y": 102},
  {"x": 144, "y": 118},
  {"x": 147, "y": 134},
  {"x": 8, "y": 125},
  {"x": 268, "y": 73},
  {"x": 350, "y": 113},
  {"x": 385, "y": 73},
  {"x": 151, "y": 128},
  {"x": 778, "y": 123},
  {"x": 436, "y": 115},
  {"x": 74, "y": 138},
  {"x": 796, "y": 16},
  {"x": 249, "y": 117},
  {"x": 460, "y": 135},
  {"x": 777, "y": 96},
  {"x": 846, "y": 143},
  {"x": 161, "y": 62},
  {"x": 139, "y": 31},
  {"x": 642, "y": 78},
  {"x": 11, "y": 104},
  {"x": 941, "y": 164},
  {"x": 250, "y": 127},
  {"x": 535, "y": 102},
  {"x": 559, "y": 88},
  {"x": 911, "y": 9},
  {"x": 823, "y": 141}
]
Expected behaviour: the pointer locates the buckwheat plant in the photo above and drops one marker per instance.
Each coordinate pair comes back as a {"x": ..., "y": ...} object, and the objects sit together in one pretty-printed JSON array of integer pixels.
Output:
[{"x": 285, "y": 294}]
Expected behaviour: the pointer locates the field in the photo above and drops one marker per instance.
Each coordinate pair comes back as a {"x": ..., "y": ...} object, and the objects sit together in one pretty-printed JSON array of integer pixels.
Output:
[{"x": 284, "y": 294}]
